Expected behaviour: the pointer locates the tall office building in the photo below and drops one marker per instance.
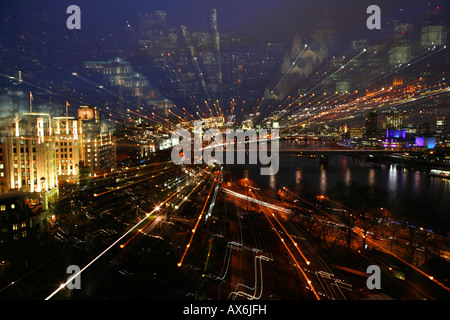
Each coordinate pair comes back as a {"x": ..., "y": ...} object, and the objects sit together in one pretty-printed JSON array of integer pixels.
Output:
[
  {"x": 68, "y": 146},
  {"x": 394, "y": 121},
  {"x": 371, "y": 123},
  {"x": 98, "y": 148},
  {"x": 28, "y": 158},
  {"x": 152, "y": 26},
  {"x": 434, "y": 35},
  {"x": 442, "y": 127},
  {"x": 434, "y": 30},
  {"x": 216, "y": 35},
  {"x": 400, "y": 51}
]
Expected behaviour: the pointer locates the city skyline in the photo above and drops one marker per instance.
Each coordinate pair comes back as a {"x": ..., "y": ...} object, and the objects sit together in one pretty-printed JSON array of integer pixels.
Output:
[{"x": 113, "y": 178}]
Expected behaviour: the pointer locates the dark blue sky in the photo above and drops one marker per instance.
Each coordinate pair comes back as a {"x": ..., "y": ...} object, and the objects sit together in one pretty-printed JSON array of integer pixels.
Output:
[{"x": 261, "y": 19}]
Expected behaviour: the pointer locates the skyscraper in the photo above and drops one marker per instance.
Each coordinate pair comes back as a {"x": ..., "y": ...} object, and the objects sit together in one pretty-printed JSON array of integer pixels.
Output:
[
  {"x": 400, "y": 51},
  {"x": 68, "y": 146},
  {"x": 372, "y": 123},
  {"x": 442, "y": 127},
  {"x": 28, "y": 159},
  {"x": 434, "y": 30},
  {"x": 99, "y": 150},
  {"x": 394, "y": 121}
]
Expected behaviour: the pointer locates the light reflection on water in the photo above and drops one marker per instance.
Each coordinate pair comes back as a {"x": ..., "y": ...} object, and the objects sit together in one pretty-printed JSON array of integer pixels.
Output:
[
  {"x": 298, "y": 176},
  {"x": 372, "y": 174},
  {"x": 392, "y": 181},
  {"x": 325, "y": 177}
]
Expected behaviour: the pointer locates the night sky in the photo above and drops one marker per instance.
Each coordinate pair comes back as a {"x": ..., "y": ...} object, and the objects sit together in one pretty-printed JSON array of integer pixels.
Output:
[
  {"x": 104, "y": 27},
  {"x": 261, "y": 20}
]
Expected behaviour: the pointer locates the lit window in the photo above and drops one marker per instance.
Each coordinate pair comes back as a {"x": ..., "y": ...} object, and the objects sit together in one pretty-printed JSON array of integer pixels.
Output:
[{"x": 2, "y": 207}]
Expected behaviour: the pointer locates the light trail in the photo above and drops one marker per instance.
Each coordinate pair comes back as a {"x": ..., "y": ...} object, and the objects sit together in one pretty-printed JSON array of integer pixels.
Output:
[
  {"x": 132, "y": 183},
  {"x": 289, "y": 70},
  {"x": 196, "y": 224},
  {"x": 287, "y": 233},
  {"x": 340, "y": 69},
  {"x": 297, "y": 264},
  {"x": 71, "y": 278},
  {"x": 44, "y": 89},
  {"x": 149, "y": 118},
  {"x": 319, "y": 259},
  {"x": 375, "y": 244},
  {"x": 266, "y": 204},
  {"x": 158, "y": 209},
  {"x": 282, "y": 78},
  {"x": 261, "y": 287}
]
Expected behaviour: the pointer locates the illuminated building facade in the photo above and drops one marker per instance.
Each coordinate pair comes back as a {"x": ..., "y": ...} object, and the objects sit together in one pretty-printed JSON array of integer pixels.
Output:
[
  {"x": 98, "y": 146},
  {"x": 442, "y": 127},
  {"x": 68, "y": 146},
  {"x": 28, "y": 158},
  {"x": 434, "y": 30},
  {"x": 119, "y": 73},
  {"x": 394, "y": 121},
  {"x": 28, "y": 153},
  {"x": 356, "y": 133}
]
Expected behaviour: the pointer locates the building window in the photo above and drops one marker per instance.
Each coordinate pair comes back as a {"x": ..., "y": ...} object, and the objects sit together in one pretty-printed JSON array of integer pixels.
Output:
[{"x": 2, "y": 207}]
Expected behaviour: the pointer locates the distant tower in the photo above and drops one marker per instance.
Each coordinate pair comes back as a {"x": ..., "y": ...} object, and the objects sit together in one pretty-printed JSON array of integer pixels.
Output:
[
  {"x": 434, "y": 31},
  {"x": 394, "y": 121},
  {"x": 442, "y": 126},
  {"x": 372, "y": 123},
  {"x": 216, "y": 37},
  {"x": 400, "y": 51}
]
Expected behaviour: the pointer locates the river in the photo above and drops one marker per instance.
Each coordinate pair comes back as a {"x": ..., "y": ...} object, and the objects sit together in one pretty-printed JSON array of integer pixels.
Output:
[{"x": 413, "y": 193}]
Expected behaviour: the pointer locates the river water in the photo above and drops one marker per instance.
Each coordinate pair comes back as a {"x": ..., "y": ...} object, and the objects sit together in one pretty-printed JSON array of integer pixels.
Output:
[{"x": 412, "y": 193}]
